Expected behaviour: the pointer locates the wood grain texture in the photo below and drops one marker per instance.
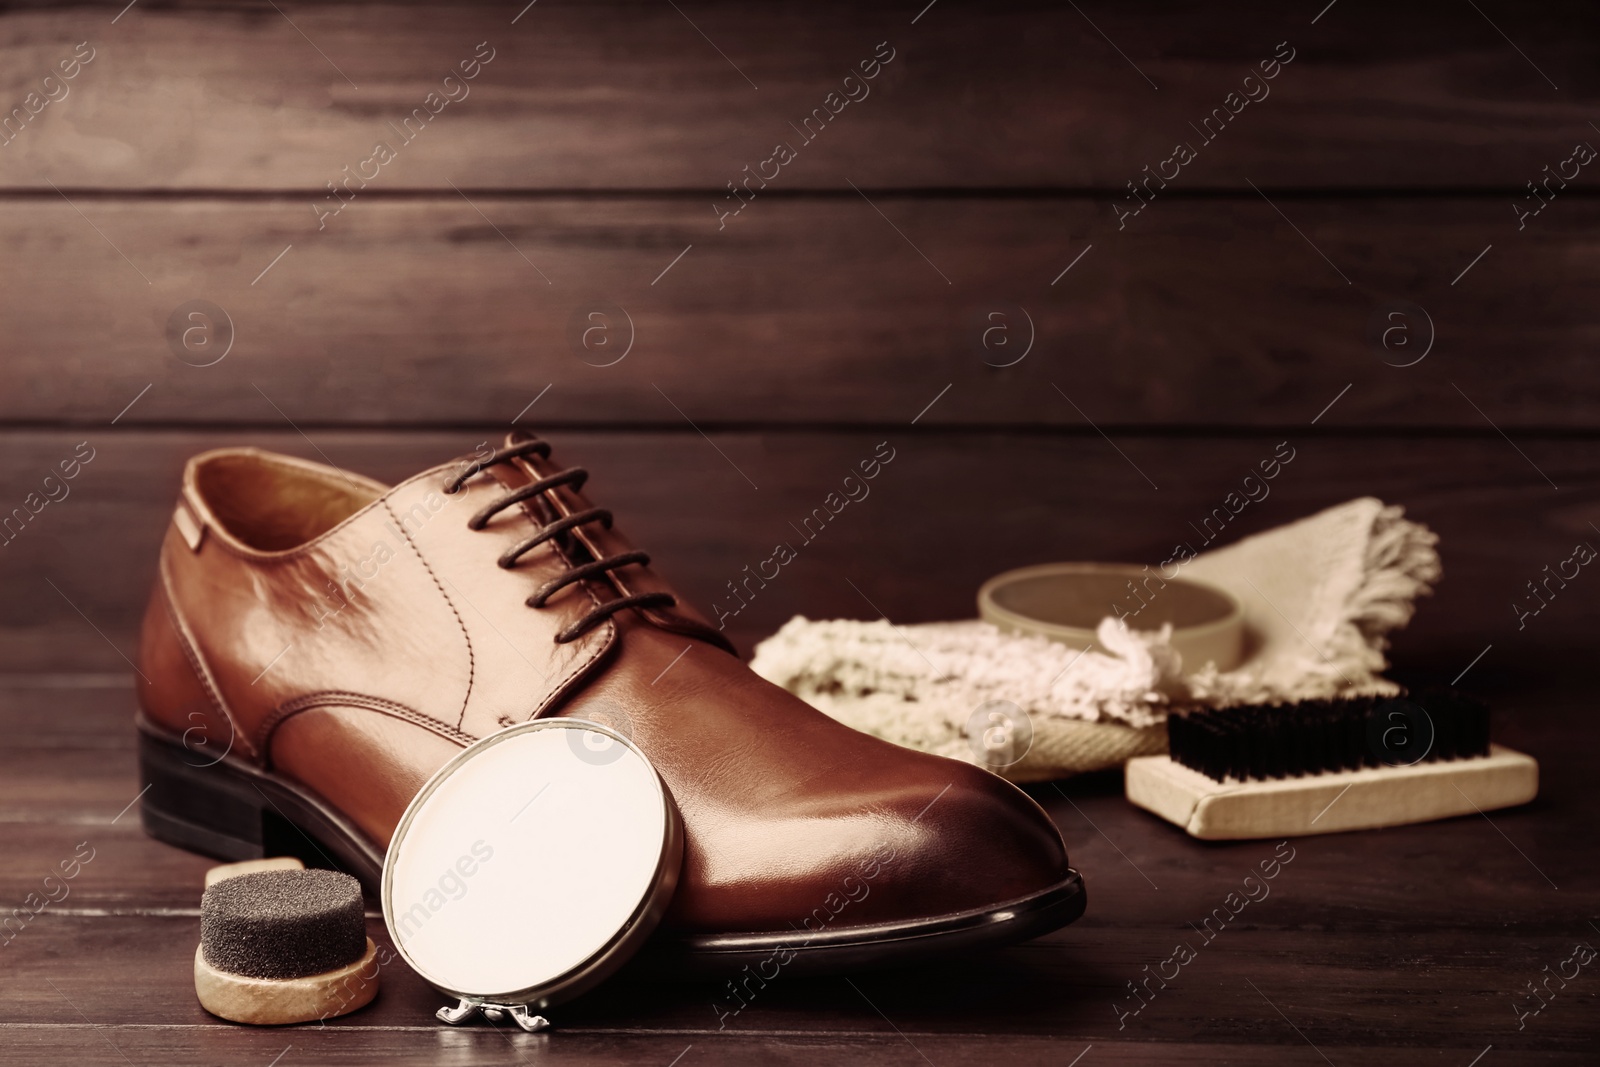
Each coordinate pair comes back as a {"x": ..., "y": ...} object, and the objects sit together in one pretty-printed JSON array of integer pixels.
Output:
[
  {"x": 1403, "y": 946},
  {"x": 190, "y": 159},
  {"x": 131, "y": 873},
  {"x": 1214, "y": 314},
  {"x": 633, "y": 95},
  {"x": 949, "y": 511}
]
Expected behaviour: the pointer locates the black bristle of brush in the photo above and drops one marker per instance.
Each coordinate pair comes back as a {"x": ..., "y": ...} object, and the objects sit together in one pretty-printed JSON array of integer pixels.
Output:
[{"x": 1261, "y": 741}]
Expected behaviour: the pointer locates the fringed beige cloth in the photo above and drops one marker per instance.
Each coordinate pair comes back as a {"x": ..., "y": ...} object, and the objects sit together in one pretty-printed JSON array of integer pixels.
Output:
[{"x": 1320, "y": 595}]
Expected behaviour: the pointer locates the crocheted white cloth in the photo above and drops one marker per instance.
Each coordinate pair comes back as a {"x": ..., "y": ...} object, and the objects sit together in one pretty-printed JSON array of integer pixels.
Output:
[{"x": 1320, "y": 597}]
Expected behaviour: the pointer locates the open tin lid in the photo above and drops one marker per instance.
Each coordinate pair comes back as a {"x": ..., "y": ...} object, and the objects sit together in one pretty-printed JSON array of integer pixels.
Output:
[{"x": 530, "y": 867}]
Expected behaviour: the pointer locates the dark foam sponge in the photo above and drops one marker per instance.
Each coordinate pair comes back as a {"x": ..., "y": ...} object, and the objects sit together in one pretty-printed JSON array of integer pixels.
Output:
[{"x": 283, "y": 924}]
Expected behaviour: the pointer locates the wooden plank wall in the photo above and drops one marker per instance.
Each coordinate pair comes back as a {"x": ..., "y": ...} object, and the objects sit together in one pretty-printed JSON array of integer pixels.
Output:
[{"x": 976, "y": 186}]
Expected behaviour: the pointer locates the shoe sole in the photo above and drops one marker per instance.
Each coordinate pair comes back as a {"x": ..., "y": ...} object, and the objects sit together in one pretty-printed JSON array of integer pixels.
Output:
[{"x": 235, "y": 812}]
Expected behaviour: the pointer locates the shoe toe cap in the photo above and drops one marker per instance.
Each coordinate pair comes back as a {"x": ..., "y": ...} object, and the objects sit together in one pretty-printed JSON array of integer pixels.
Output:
[
  {"x": 943, "y": 839},
  {"x": 972, "y": 841}
]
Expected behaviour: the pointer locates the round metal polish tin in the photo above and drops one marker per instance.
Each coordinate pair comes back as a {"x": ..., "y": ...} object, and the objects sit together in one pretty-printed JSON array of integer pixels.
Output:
[{"x": 532, "y": 865}]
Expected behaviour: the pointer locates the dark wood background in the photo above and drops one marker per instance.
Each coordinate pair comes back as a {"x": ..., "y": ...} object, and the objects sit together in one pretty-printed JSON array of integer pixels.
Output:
[{"x": 843, "y": 307}]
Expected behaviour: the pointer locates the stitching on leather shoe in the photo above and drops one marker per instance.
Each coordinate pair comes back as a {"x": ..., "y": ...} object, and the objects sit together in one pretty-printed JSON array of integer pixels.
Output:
[
  {"x": 472, "y": 663},
  {"x": 337, "y": 698},
  {"x": 180, "y": 630}
]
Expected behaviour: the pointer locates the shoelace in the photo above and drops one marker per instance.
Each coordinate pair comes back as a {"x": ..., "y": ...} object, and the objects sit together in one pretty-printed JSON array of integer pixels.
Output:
[{"x": 575, "y": 477}]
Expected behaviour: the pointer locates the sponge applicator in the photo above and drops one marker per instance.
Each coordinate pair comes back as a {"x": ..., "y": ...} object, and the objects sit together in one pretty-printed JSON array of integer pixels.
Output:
[{"x": 284, "y": 946}]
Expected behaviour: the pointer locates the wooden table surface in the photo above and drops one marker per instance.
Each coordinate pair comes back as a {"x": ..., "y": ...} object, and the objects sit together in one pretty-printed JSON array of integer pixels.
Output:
[{"x": 1402, "y": 946}]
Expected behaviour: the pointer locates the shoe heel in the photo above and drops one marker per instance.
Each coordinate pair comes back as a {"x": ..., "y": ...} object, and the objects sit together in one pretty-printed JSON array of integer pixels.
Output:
[{"x": 198, "y": 805}]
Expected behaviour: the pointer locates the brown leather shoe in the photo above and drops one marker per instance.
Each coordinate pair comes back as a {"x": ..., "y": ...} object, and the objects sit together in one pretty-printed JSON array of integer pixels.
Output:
[{"x": 318, "y": 644}]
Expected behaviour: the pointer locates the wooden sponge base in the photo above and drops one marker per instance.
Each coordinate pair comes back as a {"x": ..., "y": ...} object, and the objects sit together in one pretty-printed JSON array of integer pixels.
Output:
[
  {"x": 1327, "y": 803},
  {"x": 278, "y": 1001}
]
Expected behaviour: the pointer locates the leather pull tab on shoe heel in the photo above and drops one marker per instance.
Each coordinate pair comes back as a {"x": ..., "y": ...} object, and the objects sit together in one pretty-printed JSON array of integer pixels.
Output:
[{"x": 187, "y": 520}]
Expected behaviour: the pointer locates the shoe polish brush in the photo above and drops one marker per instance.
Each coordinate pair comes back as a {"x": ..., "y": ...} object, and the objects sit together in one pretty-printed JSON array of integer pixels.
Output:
[
  {"x": 1322, "y": 766},
  {"x": 280, "y": 944}
]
